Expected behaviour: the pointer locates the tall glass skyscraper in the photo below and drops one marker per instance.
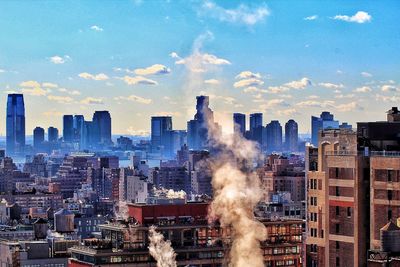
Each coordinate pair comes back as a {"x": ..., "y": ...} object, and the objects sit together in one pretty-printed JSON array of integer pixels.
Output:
[
  {"x": 68, "y": 128},
  {"x": 239, "y": 123},
  {"x": 160, "y": 126},
  {"x": 102, "y": 126},
  {"x": 15, "y": 124}
]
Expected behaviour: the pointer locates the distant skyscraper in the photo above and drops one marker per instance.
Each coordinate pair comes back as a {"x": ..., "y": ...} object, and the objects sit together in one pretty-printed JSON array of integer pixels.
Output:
[
  {"x": 274, "y": 136},
  {"x": 78, "y": 125},
  {"x": 38, "y": 138},
  {"x": 197, "y": 129},
  {"x": 323, "y": 122},
  {"x": 256, "y": 127},
  {"x": 291, "y": 136},
  {"x": 15, "y": 124},
  {"x": 102, "y": 125},
  {"x": 256, "y": 120},
  {"x": 68, "y": 128},
  {"x": 52, "y": 134},
  {"x": 239, "y": 123},
  {"x": 160, "y": 126}
]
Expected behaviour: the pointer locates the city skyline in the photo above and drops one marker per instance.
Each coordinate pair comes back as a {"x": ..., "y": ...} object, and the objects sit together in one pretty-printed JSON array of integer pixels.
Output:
[{"x": 285, "y": 64}]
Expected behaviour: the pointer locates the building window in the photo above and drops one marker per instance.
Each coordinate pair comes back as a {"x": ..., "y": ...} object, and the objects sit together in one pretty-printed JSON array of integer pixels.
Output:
[
  {"x": 337, "y": 228},
  {"x": 322, "y": 233},
  {"x": 390, "y": 175},
  {"x": 389, "y": 214},
  {"x": 336, "y": 172},
  {"x": 348, "y": 212},
  {"x": 337, "y": 191},
  {"x": 337, "y": 261},
  {"x": 337, "y": 210},
  {"x": 337, "y": 245},
  {"x": 389, "y": 194}
]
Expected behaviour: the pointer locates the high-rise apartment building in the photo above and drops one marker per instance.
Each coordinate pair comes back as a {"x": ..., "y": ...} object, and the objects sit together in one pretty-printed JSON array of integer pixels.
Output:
[
  {"x": 38, "y": 138},
  {"x": 239, "y": 123},
  {"x": 68, "y": 128},
  {"x": 291, "y": 136},
  {"x": 52, "y": 134},
  {"x": 274, "y": 136},
  {"x": 15, "y": 124}
]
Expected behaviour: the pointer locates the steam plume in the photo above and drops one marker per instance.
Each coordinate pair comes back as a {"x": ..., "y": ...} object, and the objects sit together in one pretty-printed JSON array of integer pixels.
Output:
[
  {"x": 160, "y": 249},
  {"x": 237, "y": 191}
]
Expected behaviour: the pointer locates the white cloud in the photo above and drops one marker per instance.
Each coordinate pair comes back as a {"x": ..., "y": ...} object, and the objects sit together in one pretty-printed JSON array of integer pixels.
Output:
[
  {"x": 359, "y": 17},
  {"x": 316, "y": 104},
  {"x": 363, "y": 89},
  {"x": 287, "y": 112},
  {"x": 248, "y": 82},
  {"x": 30, "y": 84},
  {"x": 313, "y": 17},
  {"x": 138, "y": 80},
  {"x": 49, "y": 85},
  {"x": 212, "y": 81},
  {"x": 206, "y": 59},
  {"x": 247, "y": 75},
  {"x": 133, "y": 131},
  {"x": 331, "y": 85},
  {"x": 96, "y": 77},
  {"x": 242, "y": 14},
  {"x": 383, "y": 98},
  {"x": 96, "y": 28},
  {"x": 60, "y": 99},
  {"x": 313, "y": 97},
  {"x": 389, "y": 88},
  {"x": 300, "y": 84},
  {"x": 268, "y": 104},
  {"x": 349, "y": 107},
  {"x": 366, "y": 74},
  {"x": 37, "y": 91},
  {"x": 345, "y": 96},
  {"x": 59, "y": 59},
  {"x": 168, "y": 113},
  {"x": 154, "y": 69},
  {"x": 53, "y": 113},
  {"x": 92, "y": 101},
  {"x": 135, "y": 98},
  {"x": 2, "y": 71}
]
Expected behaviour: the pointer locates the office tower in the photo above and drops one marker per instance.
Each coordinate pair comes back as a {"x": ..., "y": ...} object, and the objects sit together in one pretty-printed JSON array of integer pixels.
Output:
[
  {"x": 291, "y": 136},
  {"x": 2, "y": 154},
  {"x": 256, "y": 128},
  {"x": 68, "y": 128},
  {"x": 274, "y": 136},
  {"x": 15, "y": 124},
  {"x": 256, "y": 120},
  {"x": 239, "y": 123},
  {"x": 102, "y": 128},
  {"x": 323, "y": 122},
  {"x": 198, "y": 128},
  {"x": 78, "y": 125},
  {"x": 177, "y": 138},
  {"x": 38, "y": 138},
  {"x": 160, "y": 127},
  {"x": 52, "y": 134}
]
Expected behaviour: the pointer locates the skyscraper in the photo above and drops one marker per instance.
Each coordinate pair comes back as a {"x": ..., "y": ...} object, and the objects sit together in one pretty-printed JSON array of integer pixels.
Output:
[
  {"x": 102, "y": 127},
  {"x": 198, "y": 128},
  {"x": 15, "y": 124},
  {"x": 239, "y": 123},
  {"x": 274, "y": 136},
  {"x": 78, "y": 124},
  {"x": 323, "y": 122},
  {"x": 52, "y": 133},
  {"x": 160, "y": 126},
  {"x": 38, "y": 138},
  {"x": 291, "y": 136},
  {"x": 256, "y": 127},
  {"x": 68, "y": 128}
]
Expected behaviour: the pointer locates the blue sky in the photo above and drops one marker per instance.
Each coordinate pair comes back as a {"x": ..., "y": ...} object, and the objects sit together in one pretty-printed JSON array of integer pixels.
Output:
[{"x": 287, "y": 59}]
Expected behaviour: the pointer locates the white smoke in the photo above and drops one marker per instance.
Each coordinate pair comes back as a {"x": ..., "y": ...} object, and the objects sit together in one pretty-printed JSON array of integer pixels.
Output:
[
  {"x": 169, "y": 193},
  {"x": 160, "y": 249},
  {"x": 123, "y": 211},
  {"x": 237, "y": 190}
]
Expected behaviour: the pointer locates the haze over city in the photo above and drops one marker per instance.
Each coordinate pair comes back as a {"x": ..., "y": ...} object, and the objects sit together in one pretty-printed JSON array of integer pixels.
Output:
[{"x": 287, "y": 59}]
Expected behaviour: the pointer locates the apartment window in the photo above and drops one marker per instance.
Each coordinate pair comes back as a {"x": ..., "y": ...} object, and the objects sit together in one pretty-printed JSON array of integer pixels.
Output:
[
  {"x": 322, "y": 233},
  {"x": 337, "y": 210},
  {"x": 390, "y": 175},
  {"x": 337, "y": 228},
  {"x": 337, "y": 245},
  {"x": 389, "y": 194},
  {"x": 348, "y": 212},
  {"x": 337, "y": 261},
  {"x": 389, "y": 214},
  {"x": 337, "y": 191},
  {"x": 337, "y": 172}
]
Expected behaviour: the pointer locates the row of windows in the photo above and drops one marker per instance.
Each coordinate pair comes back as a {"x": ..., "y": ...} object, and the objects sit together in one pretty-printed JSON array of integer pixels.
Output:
[
  {"x": 313, "y": 217},
  {"x": 313, "y": 183},
  {"x": 313, "y": 201}
]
